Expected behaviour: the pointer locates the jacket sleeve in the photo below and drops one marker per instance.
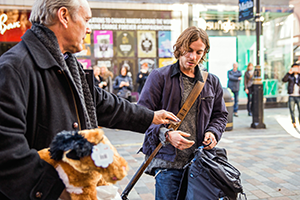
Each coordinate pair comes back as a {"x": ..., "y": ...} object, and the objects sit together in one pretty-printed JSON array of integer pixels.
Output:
[
  {"x": 150, "y": 98},
  {"x": 246, "y": 79},
  {"x": 23, "y": 175},
  {"x": 130, "y": 87},
  {"x": 116, "y": 83},
  {"x": 234, "y": 76},
  {"x": 218, "y": 119},
  {"x": 286, "y": 77},
  {"x": 115, "y": 112}
]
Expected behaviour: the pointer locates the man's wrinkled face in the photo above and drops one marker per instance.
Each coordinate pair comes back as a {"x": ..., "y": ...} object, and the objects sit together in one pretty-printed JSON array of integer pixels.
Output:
[{"x": 79, "y": 27}]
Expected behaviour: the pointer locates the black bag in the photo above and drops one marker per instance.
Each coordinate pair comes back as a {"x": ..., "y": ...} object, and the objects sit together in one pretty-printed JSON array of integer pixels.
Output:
[{"x": 209, "y": 176}]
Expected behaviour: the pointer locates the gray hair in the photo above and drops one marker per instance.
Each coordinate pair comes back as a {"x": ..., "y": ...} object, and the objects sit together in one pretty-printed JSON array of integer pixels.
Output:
[{"x": 45, "y": 11}]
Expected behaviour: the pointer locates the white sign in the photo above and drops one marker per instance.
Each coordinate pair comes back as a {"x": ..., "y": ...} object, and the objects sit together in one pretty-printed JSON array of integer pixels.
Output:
[{"x": 4, "y": 27}]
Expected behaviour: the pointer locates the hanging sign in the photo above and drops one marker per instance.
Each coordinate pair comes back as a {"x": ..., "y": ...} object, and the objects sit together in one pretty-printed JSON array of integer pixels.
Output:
[{"x": 245, "y": 9}]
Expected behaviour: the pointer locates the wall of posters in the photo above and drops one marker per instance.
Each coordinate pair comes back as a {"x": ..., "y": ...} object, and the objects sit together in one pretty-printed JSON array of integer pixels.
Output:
[
  {"x": 164, "y": 44},
  {"x": 125, "y": 44},
  {"x": 87, "y": 64},
  {"x": 146, "y": 44},
  {"x": 103, "y": 44},
  {"x": 166, "y": 61}
]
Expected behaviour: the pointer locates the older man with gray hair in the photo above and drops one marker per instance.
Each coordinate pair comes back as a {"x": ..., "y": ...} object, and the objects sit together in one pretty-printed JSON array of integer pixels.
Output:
[
  {"x": 43, "y": 91},
  {"x": 234, "y": 78}
]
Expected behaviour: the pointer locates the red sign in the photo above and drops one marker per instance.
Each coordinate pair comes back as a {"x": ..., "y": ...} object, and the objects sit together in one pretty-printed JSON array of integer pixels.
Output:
[{"x": 13, "y": 24}]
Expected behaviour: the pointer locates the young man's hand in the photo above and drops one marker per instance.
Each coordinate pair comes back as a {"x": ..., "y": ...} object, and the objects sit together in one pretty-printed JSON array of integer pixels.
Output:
[{"x": 176, "y": 138}]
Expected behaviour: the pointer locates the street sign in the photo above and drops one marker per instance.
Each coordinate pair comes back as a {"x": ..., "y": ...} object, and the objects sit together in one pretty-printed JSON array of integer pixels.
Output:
[{"x": 245, "y": 9}]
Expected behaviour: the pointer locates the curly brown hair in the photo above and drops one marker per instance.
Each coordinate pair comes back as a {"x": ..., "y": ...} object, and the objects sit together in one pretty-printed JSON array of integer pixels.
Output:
[{"x": 187, "y": 37}]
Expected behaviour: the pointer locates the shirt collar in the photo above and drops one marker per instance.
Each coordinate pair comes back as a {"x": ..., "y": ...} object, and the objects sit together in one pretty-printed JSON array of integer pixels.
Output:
[{"x": 176, "y": 71}]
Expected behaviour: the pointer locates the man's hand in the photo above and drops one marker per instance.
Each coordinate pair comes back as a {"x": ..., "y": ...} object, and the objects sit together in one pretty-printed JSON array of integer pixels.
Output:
[
  {"x": 209, "y": 136},
  {"x": 247, "y": 91},
  {"x": 163, "y": 117},
  {"x": 176, "y": 138},
  {"x": 65, "y": 195}
]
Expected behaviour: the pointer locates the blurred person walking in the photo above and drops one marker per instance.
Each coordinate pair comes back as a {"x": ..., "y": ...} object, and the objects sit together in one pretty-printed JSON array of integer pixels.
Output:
[
  {"x": 98, "y": 80},
  {"x": 293, "y": 79},
  {"x": 248, "y": 81},
  {"x": 123, "y": 84},
  {"x": 107, "y": 76},
  {"x": 142, "y": 76},
  {"x": 234, "y": 78}
]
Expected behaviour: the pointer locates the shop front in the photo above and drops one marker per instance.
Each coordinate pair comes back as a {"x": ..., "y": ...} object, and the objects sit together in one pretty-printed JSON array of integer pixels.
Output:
[
  {"x": 13, "y": 24},
  {"x": 233, "y": 41}
]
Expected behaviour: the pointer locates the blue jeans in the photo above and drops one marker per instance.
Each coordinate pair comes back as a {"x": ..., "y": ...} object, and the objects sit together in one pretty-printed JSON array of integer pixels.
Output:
[
  {"x": 236, "y": 101},
  {"x": 167, "y": 183},
  {"x": 292, "y": 101}
]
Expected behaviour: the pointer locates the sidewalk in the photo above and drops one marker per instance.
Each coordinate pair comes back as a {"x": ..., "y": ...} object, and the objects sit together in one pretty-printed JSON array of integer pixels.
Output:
[{"x": 269, "y": 159}]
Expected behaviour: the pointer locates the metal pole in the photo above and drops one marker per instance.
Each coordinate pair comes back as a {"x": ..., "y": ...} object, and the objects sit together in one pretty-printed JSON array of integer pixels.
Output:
[
  {"x": 257, "y": 96},
  {"x": 258, "y": 31}
]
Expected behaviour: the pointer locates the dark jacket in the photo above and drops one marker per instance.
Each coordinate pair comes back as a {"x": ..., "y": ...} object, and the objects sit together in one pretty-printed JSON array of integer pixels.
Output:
[
  {"x": 248, "y": 80},
  {"x": 38, "y": 100},
  {"x": 163, "y": 90},
  {"x": 233, "y": 80},
  {"x": 290, "y": 78},
  {"x": 124, "y": 91},
  {"x": 141, "y": 80}
]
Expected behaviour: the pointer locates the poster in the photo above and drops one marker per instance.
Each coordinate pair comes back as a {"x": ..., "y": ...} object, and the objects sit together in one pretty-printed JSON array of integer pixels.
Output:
[
  {"x": 103, "y": 44},
  {"x": 146, "y": 43},
  {"x": 164, "y": 44},
  {"x": 151, "y": 62},
  {"x": 87, "y": 64},
  {"x": 125, "y": 44},
  {"x": 166, "y": 61}
]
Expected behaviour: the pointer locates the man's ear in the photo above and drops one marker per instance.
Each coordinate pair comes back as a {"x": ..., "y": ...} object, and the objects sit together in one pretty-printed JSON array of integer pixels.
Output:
[{"x": 63, "y": 16}]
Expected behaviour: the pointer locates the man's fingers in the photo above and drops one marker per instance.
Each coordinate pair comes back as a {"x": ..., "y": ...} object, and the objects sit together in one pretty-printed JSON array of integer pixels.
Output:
[{"x": 184, "y": 134}]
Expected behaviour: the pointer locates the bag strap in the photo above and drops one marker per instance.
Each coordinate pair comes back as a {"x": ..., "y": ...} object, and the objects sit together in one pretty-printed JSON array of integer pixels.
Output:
[
  {"x": 183, "y": 111},
  {"x": 181, "y": 115},
  {"x": 190, "y": 101}
]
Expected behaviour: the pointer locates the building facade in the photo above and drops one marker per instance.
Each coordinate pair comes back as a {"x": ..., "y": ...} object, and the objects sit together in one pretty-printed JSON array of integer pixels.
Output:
[{"x": 134, "y": 32}]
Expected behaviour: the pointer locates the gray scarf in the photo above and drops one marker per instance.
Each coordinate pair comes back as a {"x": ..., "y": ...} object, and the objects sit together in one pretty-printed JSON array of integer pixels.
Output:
[{"x": 72, "y": 68}]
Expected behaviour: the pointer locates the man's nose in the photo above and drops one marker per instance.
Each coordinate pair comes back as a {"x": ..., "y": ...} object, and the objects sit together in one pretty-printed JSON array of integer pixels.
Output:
[{"x": 193, "y": 55}]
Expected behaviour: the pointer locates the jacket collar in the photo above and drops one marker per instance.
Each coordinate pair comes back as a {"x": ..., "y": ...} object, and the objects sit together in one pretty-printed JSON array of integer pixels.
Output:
[
  {"x": 176, "y": 70},
  {"x": 38, "y": 51}
]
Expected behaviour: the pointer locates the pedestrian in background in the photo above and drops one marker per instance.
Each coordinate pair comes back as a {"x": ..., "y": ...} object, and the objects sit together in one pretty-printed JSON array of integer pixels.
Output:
[
  {"x": 43, "y": 91},
  {"x": 142, "y": 76},
  {"x": 234, "y": 78},
  {"x": 98, "y": 80},
  {"x": 248, "y": 81},
  {"x": 168, "y": 88},
  {"x": 293, "y": 79},
  {"x": 123, "y": 84},
  {"x": 107, "y": 77}
]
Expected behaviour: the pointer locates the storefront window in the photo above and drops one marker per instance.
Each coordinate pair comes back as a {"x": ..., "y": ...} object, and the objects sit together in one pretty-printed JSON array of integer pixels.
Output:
[{"x": 278, "y": 54}]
